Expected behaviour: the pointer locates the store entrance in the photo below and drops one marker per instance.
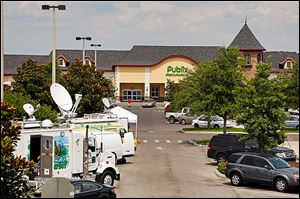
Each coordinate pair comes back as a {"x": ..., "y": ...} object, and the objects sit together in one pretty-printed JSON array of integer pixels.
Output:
[{"x": 133, "y": 94}]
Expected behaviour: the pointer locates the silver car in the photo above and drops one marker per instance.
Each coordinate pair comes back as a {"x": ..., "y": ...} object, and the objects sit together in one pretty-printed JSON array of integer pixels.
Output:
[
  {"x": 215, "y": 122},
  {"x": 186, "y": 119},
  {"x": 292, "y": 122}
]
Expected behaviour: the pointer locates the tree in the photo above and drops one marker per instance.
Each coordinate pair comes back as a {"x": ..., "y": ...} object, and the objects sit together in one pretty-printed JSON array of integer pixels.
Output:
[
  {"x": 209, "y": 89},
  {"x": 290, "y": 77},
  {"x": 171, "y": 89},
  {"x": 260, "y": 105},
  {"x": 35, "y": 80},
  {"x": 14, "y": 169},
  {"x": 18, "y": 100},
  {"x": 91, "y": 84}
]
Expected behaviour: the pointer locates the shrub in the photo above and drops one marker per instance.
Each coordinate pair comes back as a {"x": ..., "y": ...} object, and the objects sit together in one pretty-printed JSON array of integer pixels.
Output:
[{"x": 222, "y": 166}]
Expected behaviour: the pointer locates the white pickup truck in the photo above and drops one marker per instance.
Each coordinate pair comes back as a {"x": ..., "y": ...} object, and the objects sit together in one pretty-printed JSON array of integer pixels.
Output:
[{"x": 172, "y": 117}]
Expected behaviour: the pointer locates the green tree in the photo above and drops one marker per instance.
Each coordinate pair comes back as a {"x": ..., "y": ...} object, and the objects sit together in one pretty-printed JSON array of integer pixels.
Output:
[
  {"x": 14, "y": 169},
  {"x": 290, "y": 77},
  {"x": 91, "y": 84},
  {"x": 209, "y": 88},
  {"x": 19, "y": 99},
  {"x": 35, "y": 80},
  {"x": 260, "y": 105},
  {"x": 171, "y": 89}
]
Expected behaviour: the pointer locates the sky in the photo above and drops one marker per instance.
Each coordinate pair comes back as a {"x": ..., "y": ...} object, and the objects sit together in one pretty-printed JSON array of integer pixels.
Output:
[{"x": 119, "y": 25}]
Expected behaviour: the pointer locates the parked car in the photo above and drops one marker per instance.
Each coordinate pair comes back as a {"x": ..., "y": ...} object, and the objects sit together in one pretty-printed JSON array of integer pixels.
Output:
[
  {"x": 186, "y": 119},
  {"x": 221, "y": 146},
  {"x": 262, "y": 169},
  {"x": 148, "y": 103},
  {"x": 215, "y": 122},
  {"x": 88, "y": 189},
  {"x": 292, "y": 122}
]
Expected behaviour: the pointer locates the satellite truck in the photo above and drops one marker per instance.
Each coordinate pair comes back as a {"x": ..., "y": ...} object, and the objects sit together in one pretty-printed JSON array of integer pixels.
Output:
[
  {"x": 116, "y": 140},
  {"x": 63, "y": 152}
]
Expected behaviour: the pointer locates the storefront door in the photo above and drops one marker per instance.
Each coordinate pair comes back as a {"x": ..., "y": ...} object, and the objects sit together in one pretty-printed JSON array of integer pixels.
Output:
[{"x": 133, "y": 94}]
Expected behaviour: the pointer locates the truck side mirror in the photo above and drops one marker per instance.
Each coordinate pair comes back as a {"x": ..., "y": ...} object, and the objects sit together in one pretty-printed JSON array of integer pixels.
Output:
[{"x": 122, "y": 132}]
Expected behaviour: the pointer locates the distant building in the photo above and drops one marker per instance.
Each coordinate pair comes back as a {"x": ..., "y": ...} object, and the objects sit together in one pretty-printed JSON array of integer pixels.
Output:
[{"x": 143, "y": 71}]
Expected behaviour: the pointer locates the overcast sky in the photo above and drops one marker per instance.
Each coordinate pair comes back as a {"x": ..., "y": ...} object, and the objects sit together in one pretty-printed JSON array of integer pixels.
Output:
[{"x": 119, "y": 25}]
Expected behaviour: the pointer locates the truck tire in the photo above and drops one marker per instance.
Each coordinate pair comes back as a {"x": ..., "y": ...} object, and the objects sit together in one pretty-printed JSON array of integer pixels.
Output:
[
  {"x": 183, "y": 122},
  {"x": 172, "y": 120},
  {"x": 196, "y": 126},
  {"x": 216, "y": 126},
  {"x": 107, "y": 177},
  {"x": 221, "y": 157}
]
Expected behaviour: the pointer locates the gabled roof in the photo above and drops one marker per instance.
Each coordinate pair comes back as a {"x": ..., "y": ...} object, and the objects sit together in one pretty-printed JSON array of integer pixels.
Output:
[
  {"x": 12, "y": 61},
  {"x": 277, "y": 57},
  {"x": 245, "y": 40},
  {"x": 149, "y": 55},
  {"x": 105, "y": 58}
]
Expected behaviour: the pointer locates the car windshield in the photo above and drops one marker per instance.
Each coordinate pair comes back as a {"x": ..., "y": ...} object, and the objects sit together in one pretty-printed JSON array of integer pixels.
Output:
[{"x": 279, "y": 163}]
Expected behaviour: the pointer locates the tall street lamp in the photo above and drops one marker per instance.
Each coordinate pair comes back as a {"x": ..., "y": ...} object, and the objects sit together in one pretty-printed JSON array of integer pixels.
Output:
[
  {"x": 59, "y": 7},
  {"x": 96, "y": 45},
  {"x": 83, "y": 53}
]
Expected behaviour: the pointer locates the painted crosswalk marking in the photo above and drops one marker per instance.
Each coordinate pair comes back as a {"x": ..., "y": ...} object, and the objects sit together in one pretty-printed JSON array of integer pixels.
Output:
[
  {"x": 145, "y": 141},
  {"x": 179, "y": 141},
  {"x": 168, "y": 141},
  {"x": 156, "y": 141}
]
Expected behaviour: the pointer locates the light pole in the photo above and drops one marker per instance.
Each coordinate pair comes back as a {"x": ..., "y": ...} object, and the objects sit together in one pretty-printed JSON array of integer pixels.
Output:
[
  {"x": 59, "y": 7},
  {"x": 2, "y": 52},
  {"x": 83, "y": 53},
  {"x": 96, "y": 45}
]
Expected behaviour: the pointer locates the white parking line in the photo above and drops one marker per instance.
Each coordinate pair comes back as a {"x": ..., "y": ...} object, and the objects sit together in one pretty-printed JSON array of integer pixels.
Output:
[
  {"x": 156, "y": 141},
  {"x": 168, "y": 141},
  {"x": 179, "y": 141},
  {"x": 145, "y": 141}
]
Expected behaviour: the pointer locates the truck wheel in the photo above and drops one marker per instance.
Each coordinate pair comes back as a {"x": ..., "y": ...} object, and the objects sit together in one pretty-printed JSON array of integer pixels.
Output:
[
  {"x": 183, "y": 122},
  {"x": 221, "y": 158},
  {"x": 172, "y": 120},
  {"x": 196, "y": 125},
  {"x": 106, "y": 178},
  {"x": 216, "y": 126}
]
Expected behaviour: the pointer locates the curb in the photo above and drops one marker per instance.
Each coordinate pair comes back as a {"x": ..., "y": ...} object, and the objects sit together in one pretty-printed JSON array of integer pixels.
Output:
[
  {"x": 194, "y": 143},
  {"x": 220, "y": 174}
]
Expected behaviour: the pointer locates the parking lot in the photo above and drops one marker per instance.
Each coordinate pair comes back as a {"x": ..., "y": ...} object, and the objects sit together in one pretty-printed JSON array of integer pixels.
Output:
[{"x": 167, "y": 165}]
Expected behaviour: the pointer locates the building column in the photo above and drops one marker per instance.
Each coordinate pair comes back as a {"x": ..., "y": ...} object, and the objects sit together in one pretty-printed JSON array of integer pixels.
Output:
[
  {"x": 147, "y": 83},
  {"x": 117, "y": 83}
]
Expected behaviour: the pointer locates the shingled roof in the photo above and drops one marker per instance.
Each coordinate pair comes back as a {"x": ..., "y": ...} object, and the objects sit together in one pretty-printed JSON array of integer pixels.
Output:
[
  {"x": 278, "y": 57},
  {"x": 149, "y": 55},
  {"x": 11, "y": 62},
  {"x": 105, "y": 58},
  {"x": 245, "y": 40}
]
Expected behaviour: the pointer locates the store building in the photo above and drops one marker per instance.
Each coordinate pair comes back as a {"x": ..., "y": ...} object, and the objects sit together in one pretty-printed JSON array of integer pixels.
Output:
[{"x": 143, "y": 71}]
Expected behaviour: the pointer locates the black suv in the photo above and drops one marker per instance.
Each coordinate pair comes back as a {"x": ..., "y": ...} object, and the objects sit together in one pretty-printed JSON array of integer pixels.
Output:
[{"x": 221, "y": 146}]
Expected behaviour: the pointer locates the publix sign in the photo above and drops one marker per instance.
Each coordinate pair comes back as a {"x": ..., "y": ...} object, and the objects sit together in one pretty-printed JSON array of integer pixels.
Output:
[{"x": 177, "y": 71}]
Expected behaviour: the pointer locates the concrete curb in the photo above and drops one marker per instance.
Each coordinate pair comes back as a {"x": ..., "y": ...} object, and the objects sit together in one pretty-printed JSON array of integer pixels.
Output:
[
  {"x": 207, "y": 132},
  {"x": 194, "y": 143},
  {"x": 220, "y": 174}
]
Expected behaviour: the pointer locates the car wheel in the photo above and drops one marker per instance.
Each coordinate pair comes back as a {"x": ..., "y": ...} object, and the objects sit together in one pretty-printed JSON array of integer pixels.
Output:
[
  {"x": 196, "y": 125},
  {"x": 235, "y": 179},
  {"x": 297, "y": 127},
  {"x": 106, "y": 178},
  {"x": 216, "y": 126},
  {"x": 221, "y": 158},
  {"x": 172, "y": 120},
  {"x": 281, "y": 185},
  {"x": 183, "y": 122}
]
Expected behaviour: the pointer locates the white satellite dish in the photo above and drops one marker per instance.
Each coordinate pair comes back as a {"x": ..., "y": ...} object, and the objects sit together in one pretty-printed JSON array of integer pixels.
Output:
[
  {"x": 28, "y": 109},
  {"x": 106, "y": 102},
  {"x": 61, "y": 97}
]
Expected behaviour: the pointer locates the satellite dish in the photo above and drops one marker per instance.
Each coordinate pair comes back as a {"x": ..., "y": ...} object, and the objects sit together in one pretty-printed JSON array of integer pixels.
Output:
[
  {"x": 61, "y": 97},
  {"x": 28, "y": 109},
  {"x": 106, "y": 102},
  {"x": 47, "y": 123}
]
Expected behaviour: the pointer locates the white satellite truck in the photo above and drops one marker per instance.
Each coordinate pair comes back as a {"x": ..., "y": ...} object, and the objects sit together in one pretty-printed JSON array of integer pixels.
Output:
[{"x": 121, "y": 143}]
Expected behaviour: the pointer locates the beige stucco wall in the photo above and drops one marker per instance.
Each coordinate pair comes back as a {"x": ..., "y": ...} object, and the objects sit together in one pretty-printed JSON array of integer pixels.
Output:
[
  {"x": 159, "y": 71},
  {"x": 132, "y": 74}
]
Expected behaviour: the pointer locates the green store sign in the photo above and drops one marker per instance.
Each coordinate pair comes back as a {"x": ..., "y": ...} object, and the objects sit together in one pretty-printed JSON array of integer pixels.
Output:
[{"x": 177, "y": 71}]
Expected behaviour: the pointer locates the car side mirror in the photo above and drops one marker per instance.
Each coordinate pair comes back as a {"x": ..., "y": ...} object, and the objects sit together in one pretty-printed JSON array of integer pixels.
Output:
[{"x": 267, "y": 167}]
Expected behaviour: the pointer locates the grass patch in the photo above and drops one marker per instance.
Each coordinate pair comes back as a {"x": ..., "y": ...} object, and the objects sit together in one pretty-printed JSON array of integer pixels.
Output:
[
  {"x": 203, "y": 142},
  {"x": 291, "y": 131},
  {"x": 214, "y": 130}
]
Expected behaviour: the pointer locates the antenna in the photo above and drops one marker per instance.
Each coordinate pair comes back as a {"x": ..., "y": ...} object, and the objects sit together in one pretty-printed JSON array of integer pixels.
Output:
[
  {"x": 28, "y": 108},
  {"x": 106, "y": 102},
  {"x": 63, "y": 100}
]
